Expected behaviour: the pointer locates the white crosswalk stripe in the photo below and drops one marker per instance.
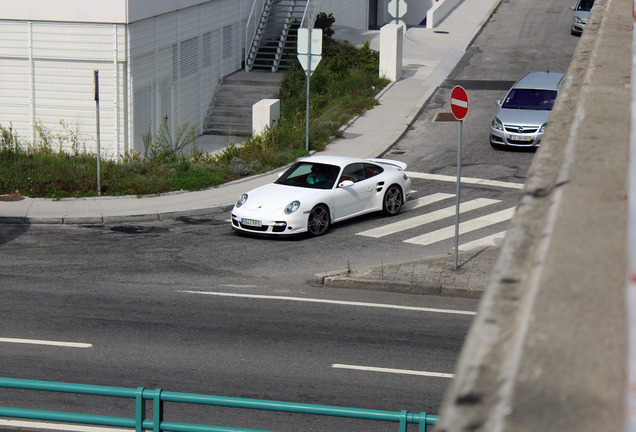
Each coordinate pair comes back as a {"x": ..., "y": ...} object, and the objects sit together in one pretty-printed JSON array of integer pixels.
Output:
[
  {"x": 426, "y": 218},
  {"x": 464, "y": 227},
  {"x": 466, "y": 180},
  {"x": 424, "y": 201},
  {"x": 488, "y": 241},
  {"x": 437, "y": 216}
]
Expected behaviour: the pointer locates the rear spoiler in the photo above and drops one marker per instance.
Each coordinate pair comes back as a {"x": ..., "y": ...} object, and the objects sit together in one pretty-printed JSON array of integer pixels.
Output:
[{"x": 397, "y": 164}]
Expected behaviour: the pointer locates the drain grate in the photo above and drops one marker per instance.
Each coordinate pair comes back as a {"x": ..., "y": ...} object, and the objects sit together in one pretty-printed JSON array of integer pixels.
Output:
[
  {"x": 397, "y": 152},
  {"x": 444, "y": 117},
  {"x": 135, "y": 229},
  {"x": 11, "y": 198}
]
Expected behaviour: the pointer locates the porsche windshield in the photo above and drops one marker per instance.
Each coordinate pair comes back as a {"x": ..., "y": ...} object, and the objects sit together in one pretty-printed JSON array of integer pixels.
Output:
[
  {"x": 520, "y": 98},
  {"x": 310, "y": 175}
]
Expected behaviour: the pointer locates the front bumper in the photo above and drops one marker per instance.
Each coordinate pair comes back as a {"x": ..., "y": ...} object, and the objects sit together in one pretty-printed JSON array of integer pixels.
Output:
[
  {"x": 515, "y": 139},
  {"x": 577, "y": 28},
  {"x": 258, "y": 223}
]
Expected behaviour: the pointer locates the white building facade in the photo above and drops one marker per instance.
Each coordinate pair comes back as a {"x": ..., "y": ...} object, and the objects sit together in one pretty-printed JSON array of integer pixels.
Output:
[{"x": 156, "y": 60}]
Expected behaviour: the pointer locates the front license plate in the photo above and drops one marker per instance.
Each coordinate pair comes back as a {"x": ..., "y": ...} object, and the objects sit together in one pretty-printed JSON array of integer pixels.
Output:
[
  {"x": 520, "y": 138},
  {"x": 251, "y": 222}
]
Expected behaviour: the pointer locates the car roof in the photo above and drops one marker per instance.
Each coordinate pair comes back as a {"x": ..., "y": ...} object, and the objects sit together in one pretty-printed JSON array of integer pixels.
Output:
[
  {"x": 540, "y": 81},
  {"x": 332, "y": 160}
]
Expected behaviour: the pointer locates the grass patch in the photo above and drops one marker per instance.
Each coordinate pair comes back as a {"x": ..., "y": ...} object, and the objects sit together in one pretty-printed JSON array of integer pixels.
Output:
[{"x": 343, "y": 86}]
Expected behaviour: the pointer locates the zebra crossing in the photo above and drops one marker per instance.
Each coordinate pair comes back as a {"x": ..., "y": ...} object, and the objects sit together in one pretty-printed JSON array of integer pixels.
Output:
[{"x": 448, "y": 232}]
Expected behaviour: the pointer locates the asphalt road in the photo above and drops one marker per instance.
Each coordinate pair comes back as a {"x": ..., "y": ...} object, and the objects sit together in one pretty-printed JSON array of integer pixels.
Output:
[
  {"x": 198, "y": 340},
  {"x": 150, "y": 299}
]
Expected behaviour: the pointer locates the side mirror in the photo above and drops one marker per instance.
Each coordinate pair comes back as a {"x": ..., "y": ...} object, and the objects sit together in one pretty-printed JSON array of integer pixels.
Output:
[
  {"x": 498, "y": 101},
  {"x": 346, "y": 184},
  {"x": 281, "y": 173}
]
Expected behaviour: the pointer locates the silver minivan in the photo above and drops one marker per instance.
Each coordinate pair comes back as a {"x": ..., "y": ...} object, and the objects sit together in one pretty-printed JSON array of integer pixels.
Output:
[
  {"x": 581, "y": 14},
  {"x": 523, "y": 115}
]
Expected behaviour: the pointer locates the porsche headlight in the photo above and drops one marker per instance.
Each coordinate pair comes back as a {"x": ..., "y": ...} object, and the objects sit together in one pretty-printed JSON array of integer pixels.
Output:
[
  {"x": 496, "y": 124},
  {"x": 292, "y": 207},
  {"x": 241, "y": 200}
]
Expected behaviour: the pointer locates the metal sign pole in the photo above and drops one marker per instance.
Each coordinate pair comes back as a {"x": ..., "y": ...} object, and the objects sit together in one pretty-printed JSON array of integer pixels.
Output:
[
  {"x": 459, "y": 176},
  {"x": 307, "y": 105},
  {"x": 96, "y": 82},
  {"x": 307, "y": 59},
  {"x": 307, "y": 110}
]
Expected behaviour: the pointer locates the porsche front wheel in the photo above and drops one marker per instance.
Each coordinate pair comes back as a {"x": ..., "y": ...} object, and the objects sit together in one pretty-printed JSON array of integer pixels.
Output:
[
  {"x": 392, "y": 202},
  {"x": 318, "y": 221}
]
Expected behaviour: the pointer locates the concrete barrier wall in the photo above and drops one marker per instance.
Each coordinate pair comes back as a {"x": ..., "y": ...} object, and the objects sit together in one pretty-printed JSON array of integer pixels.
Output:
[
  {"x": 547, "y": 348},
  {"x": 439, "y": 11}
]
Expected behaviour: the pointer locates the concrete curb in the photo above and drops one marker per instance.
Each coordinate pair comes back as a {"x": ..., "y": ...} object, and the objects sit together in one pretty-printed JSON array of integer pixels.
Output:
[{"x": 427, "y": 276}]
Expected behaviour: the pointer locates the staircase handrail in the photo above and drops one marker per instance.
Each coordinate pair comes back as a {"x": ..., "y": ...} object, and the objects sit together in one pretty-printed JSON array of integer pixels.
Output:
[
  {"x": 251, "y": 26},
  {"x": 311, "y": 11}
]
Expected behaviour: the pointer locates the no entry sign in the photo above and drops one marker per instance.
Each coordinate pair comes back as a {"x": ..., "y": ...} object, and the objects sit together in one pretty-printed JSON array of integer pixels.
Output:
[
  {"x": 459, "y": 102},
  {"x": 459, "y": 107}
]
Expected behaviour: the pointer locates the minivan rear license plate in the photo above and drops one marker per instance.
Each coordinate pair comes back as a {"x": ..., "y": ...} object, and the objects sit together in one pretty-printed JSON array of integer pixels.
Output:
[{"x": 251, "y": 222}]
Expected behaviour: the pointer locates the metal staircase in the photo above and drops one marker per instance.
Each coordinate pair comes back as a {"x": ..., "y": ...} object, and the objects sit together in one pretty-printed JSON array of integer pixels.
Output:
[
  {"x": 270, "y": 44},
  {"x": 272, "y": 34}
]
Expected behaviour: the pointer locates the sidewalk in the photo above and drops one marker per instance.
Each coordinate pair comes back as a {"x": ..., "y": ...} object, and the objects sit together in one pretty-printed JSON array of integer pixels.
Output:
[
  {"x": 429, "y": 55},
  {"x": 429, "y": 276}
]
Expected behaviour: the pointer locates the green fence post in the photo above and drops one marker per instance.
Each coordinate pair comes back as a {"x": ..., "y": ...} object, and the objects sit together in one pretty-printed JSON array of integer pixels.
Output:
[
  {"x": 425, "y": 420},
  {"x": 140, "y": 409},
  {"x": 403, "y": 420},
  {"x": 157, "y": 411}
]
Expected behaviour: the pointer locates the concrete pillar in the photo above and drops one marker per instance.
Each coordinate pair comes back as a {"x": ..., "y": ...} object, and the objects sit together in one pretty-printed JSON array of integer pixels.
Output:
[
  {"x": 391, "y": 50},
  {"x": 265, "y": 114}
]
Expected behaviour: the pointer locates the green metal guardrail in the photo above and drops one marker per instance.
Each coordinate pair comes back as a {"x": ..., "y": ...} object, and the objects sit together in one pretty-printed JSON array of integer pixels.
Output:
[{"x": 158, "y": 397}]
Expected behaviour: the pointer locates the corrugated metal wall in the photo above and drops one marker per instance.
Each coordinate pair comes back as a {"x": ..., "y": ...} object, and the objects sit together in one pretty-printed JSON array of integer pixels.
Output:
[
  {"x": 47, "y": 78},
  {"x": 351, "y": 13},
  {"x": 178, "y": 60},
  {"x": 165, "y": 67}
]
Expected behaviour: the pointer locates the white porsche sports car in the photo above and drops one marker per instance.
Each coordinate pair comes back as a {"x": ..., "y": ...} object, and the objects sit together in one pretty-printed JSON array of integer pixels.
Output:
[{"x": 320, "y": 190}]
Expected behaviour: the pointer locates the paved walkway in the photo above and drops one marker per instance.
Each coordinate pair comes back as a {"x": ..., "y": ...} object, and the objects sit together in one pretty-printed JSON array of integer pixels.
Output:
[
  {"x": 429, "y": 55},
  {"x": 430, "y": 276}
]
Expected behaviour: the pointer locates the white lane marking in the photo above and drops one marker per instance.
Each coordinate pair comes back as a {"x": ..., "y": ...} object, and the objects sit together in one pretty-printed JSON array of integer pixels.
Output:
[
  {"x": 57, "y": 426},
  {"x": 338, "y": 302},
  {"x": 426, "y": 218},
  {"x": 424, "y": 201},
  {"x": 491, "y": 240},
  {"x": 467, "y": 180},
  {"x": 464, "y": 227},
  {"x": 393, "y": 371},
  {"x": 46, "y": 342}
]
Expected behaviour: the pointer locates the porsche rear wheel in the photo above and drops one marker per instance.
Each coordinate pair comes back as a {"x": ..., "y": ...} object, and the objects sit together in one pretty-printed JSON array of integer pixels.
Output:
[
  {"x": 318, "y": 221},
  {"x": 392, "y": 202}
]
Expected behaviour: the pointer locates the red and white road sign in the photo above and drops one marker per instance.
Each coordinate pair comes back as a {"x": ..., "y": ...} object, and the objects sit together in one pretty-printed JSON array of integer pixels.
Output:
[{"x": 459, "y": 102}]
